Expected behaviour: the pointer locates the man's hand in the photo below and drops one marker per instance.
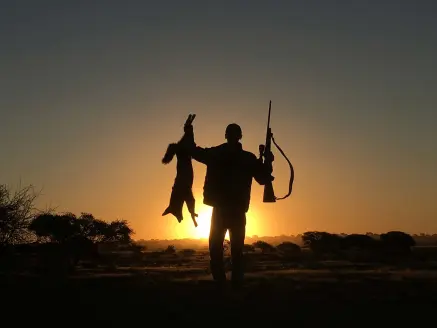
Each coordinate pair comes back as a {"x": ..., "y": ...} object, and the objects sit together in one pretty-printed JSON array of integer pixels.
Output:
[{"x": 268, "y": 156}]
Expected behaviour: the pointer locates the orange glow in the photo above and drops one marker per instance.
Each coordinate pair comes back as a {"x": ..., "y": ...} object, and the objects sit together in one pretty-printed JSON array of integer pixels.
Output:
[{"x": 204, "y": 223}]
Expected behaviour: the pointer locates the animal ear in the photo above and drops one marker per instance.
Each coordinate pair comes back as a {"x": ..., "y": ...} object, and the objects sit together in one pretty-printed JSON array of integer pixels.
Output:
[
  {"x": 190, "y": 119},
  {"x": 187, "y": 121}
]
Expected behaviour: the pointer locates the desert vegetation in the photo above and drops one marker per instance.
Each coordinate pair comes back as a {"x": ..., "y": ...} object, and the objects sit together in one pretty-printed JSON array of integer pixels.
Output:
[
  {"x": 63, "y": 243},
  {"x": 65, "y": 258}
]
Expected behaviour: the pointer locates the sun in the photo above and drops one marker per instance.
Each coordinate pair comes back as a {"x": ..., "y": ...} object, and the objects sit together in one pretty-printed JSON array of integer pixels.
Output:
[{"x": 203, "y": 221}]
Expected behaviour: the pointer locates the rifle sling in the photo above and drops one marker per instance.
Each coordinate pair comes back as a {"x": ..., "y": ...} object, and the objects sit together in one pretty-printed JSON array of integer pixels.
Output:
[{"x": 290, "y": 184}]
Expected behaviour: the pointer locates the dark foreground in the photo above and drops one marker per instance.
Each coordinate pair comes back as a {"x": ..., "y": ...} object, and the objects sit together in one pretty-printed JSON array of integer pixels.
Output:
[{"x": 310, "y": 298}]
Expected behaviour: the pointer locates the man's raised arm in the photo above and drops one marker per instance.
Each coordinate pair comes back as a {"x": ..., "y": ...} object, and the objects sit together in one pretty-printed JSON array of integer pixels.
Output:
[{"x": 198, "y": 153}]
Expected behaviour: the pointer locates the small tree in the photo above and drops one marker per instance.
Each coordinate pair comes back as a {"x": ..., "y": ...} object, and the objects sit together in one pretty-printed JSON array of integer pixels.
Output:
[
  {"x": 119, "y": 231},
  {"x": 91, "y": 228},
  {"x": 54, "y": 228},
  {"x": 67, "y": 237},
  {"x": 17, "y": 210},
  {"x": 61, "y": 228}
]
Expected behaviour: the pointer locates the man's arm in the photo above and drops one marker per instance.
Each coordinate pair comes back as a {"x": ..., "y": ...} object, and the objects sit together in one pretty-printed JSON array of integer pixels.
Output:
[
  {"x": 261, "y": 173},
  {"x": 198, "y": 153}
]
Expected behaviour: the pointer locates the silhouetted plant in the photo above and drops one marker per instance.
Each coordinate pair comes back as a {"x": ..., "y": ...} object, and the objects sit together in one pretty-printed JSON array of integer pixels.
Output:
[
  {"x": 17, "y": 210},
  {"x": 66, "y": 237},
  {"x": 171, "y": 249},
  {"x": 397, "y": 242},
  {"x": 359, "y": 247},
  {"x": 288, "y": 248},
  {"x": 60, "y": 228},
  {"x": 137, "y": 248},
  {"x": 263, "y": 246},
  {"x": 188, "y": 252},
  {"x": 247, "y": 248},
  {"x": 54, "y": 228},
  {"x": 360, "y": 242},
  {"x": 321, "y": 242}
]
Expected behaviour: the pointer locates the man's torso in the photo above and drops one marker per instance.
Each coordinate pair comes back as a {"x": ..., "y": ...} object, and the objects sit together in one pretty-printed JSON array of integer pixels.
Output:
[{"x": 228, "y": 178}]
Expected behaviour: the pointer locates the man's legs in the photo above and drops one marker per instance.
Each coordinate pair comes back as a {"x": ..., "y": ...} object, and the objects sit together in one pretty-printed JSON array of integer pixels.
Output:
[
  {"x": 216, "y": 238},
  {"x": 237, "y": 234}
]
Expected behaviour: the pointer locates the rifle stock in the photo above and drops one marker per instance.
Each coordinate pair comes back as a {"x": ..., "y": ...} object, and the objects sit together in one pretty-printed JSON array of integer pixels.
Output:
[{"x": 269, "y": 193}]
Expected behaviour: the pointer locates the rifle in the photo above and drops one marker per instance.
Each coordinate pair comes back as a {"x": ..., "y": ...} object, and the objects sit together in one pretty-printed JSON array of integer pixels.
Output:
[{"x": 269, "y": 193}]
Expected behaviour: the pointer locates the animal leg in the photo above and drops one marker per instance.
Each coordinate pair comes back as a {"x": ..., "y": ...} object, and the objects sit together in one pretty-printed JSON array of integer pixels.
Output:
[{"x": 191, "y": 206}]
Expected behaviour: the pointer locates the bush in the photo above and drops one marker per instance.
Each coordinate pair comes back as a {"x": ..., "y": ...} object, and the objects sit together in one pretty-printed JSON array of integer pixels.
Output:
[
  {"x": 247, "y": 248},
  {"x": 263, "y": 246},
  {"x": 171, "y": 249},
  {"x": 288, "y": 248},
  {"x": 359, "y": 242},
  {"x": 397, "y": 242},
  {"x": 188, "y": 252},
  {"x": 321, "y": 242}
]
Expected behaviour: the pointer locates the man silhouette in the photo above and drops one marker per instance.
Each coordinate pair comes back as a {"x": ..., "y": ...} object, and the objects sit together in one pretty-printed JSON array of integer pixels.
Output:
[{"x": 227, "y": 188}]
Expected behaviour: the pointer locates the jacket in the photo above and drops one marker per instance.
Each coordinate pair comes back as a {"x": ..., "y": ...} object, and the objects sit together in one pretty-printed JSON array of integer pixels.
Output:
[{"x": 229, "y": 174}]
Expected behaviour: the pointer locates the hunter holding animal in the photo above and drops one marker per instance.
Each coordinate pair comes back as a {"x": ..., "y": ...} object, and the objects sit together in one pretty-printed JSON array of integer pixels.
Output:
[{"x": 227, "y": 189}]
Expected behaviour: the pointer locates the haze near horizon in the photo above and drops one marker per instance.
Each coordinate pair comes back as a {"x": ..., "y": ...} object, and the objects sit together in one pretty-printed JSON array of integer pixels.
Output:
[{"x": 93, "y": 92}]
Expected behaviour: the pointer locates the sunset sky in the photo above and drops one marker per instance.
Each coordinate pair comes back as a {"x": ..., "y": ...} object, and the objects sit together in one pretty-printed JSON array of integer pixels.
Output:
[{"x": 92, "y": 92}]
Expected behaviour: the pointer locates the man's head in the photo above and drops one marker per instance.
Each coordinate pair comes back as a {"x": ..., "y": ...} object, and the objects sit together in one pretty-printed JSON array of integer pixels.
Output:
[{"x": 233, "y": 133}]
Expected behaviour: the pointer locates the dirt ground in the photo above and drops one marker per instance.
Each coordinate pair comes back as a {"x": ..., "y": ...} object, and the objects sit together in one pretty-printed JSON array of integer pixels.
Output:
[{"x": 148, "y": 296}]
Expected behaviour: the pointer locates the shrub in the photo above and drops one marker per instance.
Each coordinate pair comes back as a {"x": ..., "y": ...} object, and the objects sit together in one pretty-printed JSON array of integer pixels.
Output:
[{"x": 288, "y": 248}]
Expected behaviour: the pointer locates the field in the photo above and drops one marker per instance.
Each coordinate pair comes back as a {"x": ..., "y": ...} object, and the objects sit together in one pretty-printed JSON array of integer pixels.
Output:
[{"x": 160, "y": 288}]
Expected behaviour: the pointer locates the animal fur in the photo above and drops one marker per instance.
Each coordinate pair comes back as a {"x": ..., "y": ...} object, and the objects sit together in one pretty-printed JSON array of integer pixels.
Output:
[{"x": 182, "y": 187}]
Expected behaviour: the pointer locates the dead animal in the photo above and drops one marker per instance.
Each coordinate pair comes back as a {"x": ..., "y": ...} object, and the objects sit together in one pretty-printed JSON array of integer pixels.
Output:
[{"x": 182, "y": 187}]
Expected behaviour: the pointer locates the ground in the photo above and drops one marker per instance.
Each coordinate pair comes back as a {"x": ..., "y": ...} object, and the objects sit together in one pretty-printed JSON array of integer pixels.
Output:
[{"x": 178, "y": 289}]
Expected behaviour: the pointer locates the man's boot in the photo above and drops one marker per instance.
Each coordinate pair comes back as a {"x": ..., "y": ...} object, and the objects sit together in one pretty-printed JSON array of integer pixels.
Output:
[
  {"x": 218, "y": 272},
  {"x": 237, "y": 273}
]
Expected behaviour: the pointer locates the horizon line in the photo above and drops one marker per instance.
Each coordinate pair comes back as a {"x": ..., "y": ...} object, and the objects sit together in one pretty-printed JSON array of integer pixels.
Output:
[{"x": 277, "y": 236}]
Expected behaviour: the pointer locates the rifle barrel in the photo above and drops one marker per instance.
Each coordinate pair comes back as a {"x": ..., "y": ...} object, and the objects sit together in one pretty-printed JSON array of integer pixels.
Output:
[
  {"x": 268, "y": 119},
  {"x": 268, "y": 133}
]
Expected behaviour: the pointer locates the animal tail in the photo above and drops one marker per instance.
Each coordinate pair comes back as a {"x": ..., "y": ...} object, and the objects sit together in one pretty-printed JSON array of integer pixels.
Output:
[{"x": 170, "y": 153}]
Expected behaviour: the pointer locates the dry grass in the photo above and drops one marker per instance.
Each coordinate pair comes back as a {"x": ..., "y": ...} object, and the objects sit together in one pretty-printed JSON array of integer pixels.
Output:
[{"x": 177, "y": 289}]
